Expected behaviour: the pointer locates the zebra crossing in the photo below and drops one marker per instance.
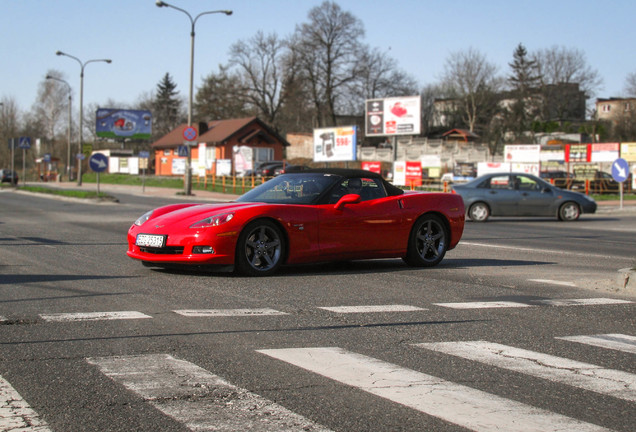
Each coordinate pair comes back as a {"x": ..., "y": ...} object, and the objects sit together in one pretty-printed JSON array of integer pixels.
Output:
[
  {"x": 203, "y": 401},
  {"x": 200, "y": 400}
]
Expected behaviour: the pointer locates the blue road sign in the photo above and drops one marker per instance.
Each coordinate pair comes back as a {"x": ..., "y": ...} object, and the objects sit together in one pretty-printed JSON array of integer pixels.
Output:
[
  {"x": 98, "y": 162},
  {"x": 190, "y": 133},
  {"x": 620, "y": 170},
  {"x": 25, "y": 143},
  {"x": 182, "y": 151},
  {"x": 144, "y": 154}
]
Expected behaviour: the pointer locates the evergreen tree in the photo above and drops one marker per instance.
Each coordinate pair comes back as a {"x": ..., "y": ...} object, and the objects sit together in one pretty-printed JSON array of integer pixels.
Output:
[
  {"x": 524, "y": 82},
  {"x": 166, "y": 107}
]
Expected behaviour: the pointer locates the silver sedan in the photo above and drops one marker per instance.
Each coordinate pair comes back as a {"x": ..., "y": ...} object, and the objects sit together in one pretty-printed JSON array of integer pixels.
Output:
[{"x": 520, "y": 194}]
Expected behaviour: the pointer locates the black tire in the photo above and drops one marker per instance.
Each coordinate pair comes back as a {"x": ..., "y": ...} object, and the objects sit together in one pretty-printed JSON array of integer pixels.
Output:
[
  {"x": 428, "y": 242},
  {"x": 569, "y": 211},
  {"x": 260, "y": 249},
  {"x": 479, "y": 212}
]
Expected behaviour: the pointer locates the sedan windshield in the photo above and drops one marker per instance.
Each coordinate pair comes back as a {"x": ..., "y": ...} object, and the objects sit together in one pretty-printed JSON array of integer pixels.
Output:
[{"x": 291, "y": 189}]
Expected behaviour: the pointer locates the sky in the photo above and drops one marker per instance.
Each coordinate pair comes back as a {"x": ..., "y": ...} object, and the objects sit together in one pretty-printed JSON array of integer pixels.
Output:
[{"x": 145, "y": 42}]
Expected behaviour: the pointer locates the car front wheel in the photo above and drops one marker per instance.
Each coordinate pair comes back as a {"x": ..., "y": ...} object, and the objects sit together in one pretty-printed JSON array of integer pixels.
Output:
[
  {"x": 569, "y": 211},
  {"x": 260, "y": 249},
  {"x": 428, "y": 242},
  {"x": 479, "y": 212}
]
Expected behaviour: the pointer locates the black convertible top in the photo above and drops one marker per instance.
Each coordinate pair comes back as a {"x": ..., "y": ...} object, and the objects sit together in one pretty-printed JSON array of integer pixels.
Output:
[{"x": 349, "y": 173}]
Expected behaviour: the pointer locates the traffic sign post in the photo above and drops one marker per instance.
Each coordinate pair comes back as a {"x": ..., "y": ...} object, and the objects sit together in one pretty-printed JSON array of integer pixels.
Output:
[
  {"x": 620, "y": 172},
  {"x": 98, "y": 163},
  {"x": 190, "y": 134}
]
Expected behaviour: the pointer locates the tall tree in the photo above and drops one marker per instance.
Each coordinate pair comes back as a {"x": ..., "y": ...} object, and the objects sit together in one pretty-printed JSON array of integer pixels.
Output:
[
  {"x": 222, "y": 96},
  {"x": 166, "y": 108},
  {"x": 326, "y": 47},
  {"x": 472, "y": 81},
  {"x": 51, "y": 111},
  {"x": 259, "y": 61},
  {"x": 630, "y": 84},
  {"x": 524, "y": 81}
]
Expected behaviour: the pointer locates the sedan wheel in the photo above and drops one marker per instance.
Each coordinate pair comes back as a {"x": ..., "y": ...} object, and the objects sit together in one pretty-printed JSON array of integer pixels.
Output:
[
  {"x": 428, "y": 242},
  {"x": 479, "y": 212},
  {"x": 569, "y": 212},
  {"x": 260, "y": 249}
]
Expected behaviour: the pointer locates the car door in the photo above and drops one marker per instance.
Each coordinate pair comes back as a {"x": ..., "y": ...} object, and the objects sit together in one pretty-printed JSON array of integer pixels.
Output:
[
  {"x": 534, "y": 199},
  {"x": 359, "y": 230},
  {"x": 501, "y": 195}
]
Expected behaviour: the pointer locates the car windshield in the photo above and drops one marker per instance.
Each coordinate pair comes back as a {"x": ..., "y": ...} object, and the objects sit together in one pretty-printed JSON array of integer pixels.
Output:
[{"x": 291, "y": 189}]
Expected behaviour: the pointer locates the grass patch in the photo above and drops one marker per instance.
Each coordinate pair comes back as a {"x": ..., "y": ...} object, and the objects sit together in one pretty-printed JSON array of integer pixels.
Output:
[{"x": 67, "y": 192}]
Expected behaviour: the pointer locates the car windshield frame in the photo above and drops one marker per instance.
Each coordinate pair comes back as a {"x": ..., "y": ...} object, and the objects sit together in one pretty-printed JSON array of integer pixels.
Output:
[{"x": 293, "y": 188}]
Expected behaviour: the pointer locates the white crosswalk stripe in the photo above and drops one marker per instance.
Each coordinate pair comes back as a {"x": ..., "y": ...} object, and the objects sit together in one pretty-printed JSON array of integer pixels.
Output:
[
  {"x": 228, "y": 312},
  {"x": 371, "y": 308},
  {"x": 470, "y": 408},
  {"x": 587, "y": 376},
  {"x": 94, "y": 316},
  {"x": 15, "y": 414},
  {"x": 197, "y": 398},
  {"x": 618, "y": 342}
]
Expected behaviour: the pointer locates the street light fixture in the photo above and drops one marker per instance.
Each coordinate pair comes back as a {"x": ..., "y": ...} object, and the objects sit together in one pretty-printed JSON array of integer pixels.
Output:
[
  {"x": 70, "y": 122},
  {"x": 159, "y": 3},
  {"x": 81, "y": 112}
]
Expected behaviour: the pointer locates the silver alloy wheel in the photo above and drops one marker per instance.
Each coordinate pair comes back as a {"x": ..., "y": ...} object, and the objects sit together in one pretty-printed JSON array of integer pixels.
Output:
[
  {"x": 569, "y": 211},
  {"x": 479, "y": 212}
]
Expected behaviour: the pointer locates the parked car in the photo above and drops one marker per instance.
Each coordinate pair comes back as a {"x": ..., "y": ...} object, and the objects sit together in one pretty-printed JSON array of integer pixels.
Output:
[
  {"x": 601, "y": 183},
  {"x": 562, "y": 179},
  {"x": 519, "y": 194},
  {"x": 315, "y": 215},
  {"x": 288, "y": 168},
  {"x": 267, "y": 169},
  {"x": 9, "y": 176}
]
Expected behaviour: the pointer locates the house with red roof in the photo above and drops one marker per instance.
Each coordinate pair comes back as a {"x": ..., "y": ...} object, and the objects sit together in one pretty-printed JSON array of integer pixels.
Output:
[{"x": 233, "y": 145}]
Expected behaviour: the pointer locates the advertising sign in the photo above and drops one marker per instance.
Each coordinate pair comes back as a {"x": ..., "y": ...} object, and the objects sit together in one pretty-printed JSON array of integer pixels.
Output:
[
  {"x": 604, "y": 152},
  {"x": 492, "y": 167},
  {"x": 407, "y": 173},
  {"x": 530, "y": 153},
  {"x": 375, "y": 167},
  {"x": 393, "y": 116},
  {"x": 120, "y": 123},
  {"x": 335, "y": 144},
  {"x": 628, "y": 151},
  {"x": 577, "y": 153}
]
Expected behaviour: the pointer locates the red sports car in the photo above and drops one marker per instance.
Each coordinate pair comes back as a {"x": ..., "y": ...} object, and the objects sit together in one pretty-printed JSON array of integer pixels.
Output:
[{"x": 315, "y": 215}]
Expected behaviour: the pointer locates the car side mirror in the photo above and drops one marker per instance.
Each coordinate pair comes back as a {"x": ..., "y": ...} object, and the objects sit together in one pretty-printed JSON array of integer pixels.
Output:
[{"x": 347, "y": 199}]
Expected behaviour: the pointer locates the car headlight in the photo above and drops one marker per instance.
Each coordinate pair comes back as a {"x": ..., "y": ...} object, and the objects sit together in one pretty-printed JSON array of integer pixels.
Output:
[
  {"x": 215, "y": 220},
  {"x": 142, "y": 219}
]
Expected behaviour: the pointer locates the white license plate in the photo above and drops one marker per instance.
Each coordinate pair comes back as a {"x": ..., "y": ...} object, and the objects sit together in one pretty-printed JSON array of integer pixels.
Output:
[{"x": 151, "y": 240}]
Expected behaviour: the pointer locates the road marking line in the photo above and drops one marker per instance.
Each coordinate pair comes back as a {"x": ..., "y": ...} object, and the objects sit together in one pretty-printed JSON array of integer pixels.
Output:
[
  {"x": 553, "y": 282},
  {"x": 542, "y": 251},
  {"x": 227, "y": 312},
  {"x": 15, "y": 412},
  {"x": 483, "y": 305},
  {"x": 581, "y": 302},
  {"x": 197, "y": 398},
  {"x": 372, "y": 308},
  {"x": 93, "y": 316},
  {"x": 614, "y": 341},
  {"x": 454, "y": 403},
  {"x": 586, "y": 376}
]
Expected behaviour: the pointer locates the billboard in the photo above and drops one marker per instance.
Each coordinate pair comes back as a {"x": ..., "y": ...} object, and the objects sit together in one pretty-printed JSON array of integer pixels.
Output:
[
  {"x": 120, "y": 123},
  {"x": 393, "y": 116},
  {"x": 335, "y": 144}
]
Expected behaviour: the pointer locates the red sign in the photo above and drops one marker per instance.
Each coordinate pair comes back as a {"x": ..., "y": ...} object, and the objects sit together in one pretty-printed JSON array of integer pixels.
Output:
[
  {"x": 190, "y": 133},
  {"x": 414, "y": 174},
  {"x": 375, "y": 167}
]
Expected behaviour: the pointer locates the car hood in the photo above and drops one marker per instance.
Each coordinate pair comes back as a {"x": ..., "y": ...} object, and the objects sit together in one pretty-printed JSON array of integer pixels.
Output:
[{"x": 196, "y": 212}]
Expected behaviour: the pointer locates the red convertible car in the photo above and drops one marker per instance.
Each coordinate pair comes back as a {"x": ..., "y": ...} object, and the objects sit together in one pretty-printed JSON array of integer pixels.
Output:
[{"x": 311, "y": 216}]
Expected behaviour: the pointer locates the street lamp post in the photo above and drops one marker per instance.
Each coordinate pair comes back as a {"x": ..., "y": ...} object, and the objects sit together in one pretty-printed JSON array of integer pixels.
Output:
[
  {"x": 81, "y": 112},
  {"x": 159, "y": 3},
  {"x": 70, "y": 122}
]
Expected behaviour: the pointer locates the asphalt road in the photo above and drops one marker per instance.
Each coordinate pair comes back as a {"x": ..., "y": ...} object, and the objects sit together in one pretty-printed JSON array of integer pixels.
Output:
[{"x": 523, "y": 327}]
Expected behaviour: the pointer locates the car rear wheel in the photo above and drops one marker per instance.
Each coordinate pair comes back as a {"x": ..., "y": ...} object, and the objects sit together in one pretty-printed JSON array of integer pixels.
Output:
[
  {"x": 260, "y": 249},
  {"x": 428, "y": 242},
  {"x": 479, "y": 212},
  {"x": 569, "y": 211}
]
